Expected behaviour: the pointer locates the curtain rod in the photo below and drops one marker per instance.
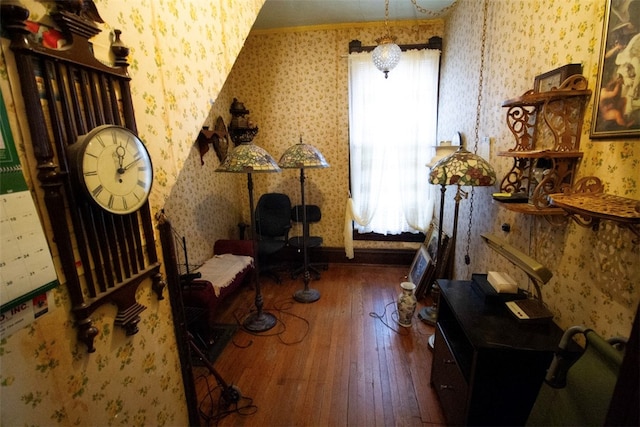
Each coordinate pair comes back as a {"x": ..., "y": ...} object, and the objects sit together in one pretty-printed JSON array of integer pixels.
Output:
[{"x": 434, "y": 42}]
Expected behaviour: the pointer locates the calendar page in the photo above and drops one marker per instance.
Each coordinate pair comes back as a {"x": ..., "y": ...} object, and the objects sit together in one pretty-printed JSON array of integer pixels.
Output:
[{"x": 26, "y": 266}]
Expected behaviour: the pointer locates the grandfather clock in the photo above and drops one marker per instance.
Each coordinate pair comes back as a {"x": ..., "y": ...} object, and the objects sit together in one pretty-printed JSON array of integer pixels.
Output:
[{"x": 94, "y": 172}]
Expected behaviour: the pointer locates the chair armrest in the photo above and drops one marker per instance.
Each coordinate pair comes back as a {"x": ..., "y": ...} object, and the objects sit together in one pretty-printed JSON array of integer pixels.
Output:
[{"x": 235, "y": 247}]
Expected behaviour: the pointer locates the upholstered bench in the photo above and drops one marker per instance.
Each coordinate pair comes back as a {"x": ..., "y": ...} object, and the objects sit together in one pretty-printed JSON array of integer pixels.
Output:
[{"x": 220, "y": 276}]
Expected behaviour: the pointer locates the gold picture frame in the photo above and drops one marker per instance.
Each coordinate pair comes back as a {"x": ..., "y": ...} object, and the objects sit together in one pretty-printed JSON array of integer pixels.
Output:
[{"x": 614, "y": 113}]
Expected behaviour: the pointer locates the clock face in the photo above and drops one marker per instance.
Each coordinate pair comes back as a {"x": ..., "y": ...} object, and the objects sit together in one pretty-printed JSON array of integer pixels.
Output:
[{"x": 115, "y": 168}]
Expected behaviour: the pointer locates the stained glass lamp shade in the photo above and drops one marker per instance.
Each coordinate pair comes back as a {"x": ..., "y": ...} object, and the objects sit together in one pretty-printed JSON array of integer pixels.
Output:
[
  {"x": 302, "y": 156},
  {"x": 462, "y": 168},
  {"x": 248, "y": 158}
]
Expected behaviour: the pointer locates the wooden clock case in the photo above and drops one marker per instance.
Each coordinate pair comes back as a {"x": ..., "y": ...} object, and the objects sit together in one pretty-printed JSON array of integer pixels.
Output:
[{"x": 67, "y": 92}]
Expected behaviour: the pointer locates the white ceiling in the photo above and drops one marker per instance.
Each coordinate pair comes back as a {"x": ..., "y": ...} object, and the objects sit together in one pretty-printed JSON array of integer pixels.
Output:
[{"x": 297, "y": 13}]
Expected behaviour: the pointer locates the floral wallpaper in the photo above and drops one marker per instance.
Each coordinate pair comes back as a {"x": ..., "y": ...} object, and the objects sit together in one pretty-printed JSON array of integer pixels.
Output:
[
  {"x": 181, "y": 53},
  {"x": 294, "y": 83},
  {"x": 190, "y": 59},
  {"x": 595, "y": 273}
]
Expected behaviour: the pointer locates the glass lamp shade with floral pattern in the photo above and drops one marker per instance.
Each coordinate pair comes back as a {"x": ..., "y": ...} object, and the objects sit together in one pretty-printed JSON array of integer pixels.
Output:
[
  {"x": 462, "y": 168},
  {"x": 302, "y": 156},
  {"x": 248, "y": 158}
]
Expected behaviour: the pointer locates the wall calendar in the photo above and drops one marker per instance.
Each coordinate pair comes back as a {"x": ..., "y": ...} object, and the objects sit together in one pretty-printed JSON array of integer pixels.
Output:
[{"x": 26, "y": 266}]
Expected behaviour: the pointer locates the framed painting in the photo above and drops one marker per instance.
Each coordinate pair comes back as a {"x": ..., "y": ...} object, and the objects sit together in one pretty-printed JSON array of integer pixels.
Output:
[{"x": 616, "y": 110}]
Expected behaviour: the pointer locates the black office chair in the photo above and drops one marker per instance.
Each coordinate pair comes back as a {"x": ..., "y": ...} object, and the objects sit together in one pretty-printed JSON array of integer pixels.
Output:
[
  {"x": 313, "y": 215},
  {"x": 273, "y": 222}
]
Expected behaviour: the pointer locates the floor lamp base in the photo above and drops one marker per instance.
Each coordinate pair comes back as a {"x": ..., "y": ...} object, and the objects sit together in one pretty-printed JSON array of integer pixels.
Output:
[
  {"x": 306, "y": 295},
  {"x": 428, "y": 315},
  {"x": 260, "y": 322}
]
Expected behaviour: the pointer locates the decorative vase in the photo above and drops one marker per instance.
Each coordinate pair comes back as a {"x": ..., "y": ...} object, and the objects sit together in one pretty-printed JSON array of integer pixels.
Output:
[{"x": 406, "y": 304}]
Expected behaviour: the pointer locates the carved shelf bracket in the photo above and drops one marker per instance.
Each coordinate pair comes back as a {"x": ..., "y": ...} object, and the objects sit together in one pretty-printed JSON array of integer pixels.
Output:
[{"x": 587, "y": 205}]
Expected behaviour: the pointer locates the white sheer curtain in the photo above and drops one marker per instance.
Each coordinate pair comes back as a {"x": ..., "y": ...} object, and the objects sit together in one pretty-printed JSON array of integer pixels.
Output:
[{"x": 392, "y": 132}]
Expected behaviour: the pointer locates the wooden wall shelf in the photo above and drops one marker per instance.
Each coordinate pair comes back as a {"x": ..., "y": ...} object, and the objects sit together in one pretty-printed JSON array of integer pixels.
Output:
[
  {"x": 531, "y": 98},
  {"x": 541, "y": 154},
  {"x": 547, "y": 128},
  {"x": 587, "y": 205},
  {"x": 529, "y": 209}
]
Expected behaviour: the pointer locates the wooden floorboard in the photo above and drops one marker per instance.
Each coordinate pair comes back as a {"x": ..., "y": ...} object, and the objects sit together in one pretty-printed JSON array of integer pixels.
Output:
[{"x": 340, "y": 361}]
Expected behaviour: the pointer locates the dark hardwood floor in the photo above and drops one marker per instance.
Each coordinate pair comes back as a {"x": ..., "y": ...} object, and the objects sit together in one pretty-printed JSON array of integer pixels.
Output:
[{"x": 340, "y": 361}]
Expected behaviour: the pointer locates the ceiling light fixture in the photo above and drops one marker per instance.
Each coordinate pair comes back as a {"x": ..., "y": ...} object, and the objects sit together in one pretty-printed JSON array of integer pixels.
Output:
[{"x": 387, "y": 54}]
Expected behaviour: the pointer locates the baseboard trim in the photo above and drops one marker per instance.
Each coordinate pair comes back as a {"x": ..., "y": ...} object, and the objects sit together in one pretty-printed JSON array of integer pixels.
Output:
[{"x": 373, "y": 256}]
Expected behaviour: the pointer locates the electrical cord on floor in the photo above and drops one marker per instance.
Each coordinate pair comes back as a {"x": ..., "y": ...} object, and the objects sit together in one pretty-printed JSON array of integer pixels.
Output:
[
  {"x": 222, "y": 408},
  {"x": 281, "y": 308},
  {"x": 382, "y": 317},
  {"x": 213, "y": 412}
]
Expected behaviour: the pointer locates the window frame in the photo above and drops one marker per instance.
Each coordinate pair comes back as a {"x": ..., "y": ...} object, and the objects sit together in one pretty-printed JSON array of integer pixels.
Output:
[{"x": 434, "y": 42}]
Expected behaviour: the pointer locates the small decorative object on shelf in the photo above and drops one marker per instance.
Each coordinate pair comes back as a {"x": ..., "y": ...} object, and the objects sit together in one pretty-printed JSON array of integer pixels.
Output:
[
  {"x": 406, "y": 304},
  {"x": 587, "y": 204},
  {"x": 241, "y": 129},
  {"x": 551, "y": 80}
]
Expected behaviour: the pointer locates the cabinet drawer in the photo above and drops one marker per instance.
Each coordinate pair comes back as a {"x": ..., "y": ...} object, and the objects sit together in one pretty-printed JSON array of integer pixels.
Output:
[{"x": 448, "y": 381}]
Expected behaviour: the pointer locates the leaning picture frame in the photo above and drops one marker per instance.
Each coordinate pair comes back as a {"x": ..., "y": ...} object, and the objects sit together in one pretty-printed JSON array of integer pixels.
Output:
[
  {"x": 421, "y": 269},
  {"x": 614, "y": 113},
  {"x": 437, "y": 267}
]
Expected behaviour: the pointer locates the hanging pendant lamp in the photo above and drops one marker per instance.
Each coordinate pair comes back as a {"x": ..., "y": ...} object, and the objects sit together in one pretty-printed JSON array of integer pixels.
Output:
[{"x": 387, "y": 54}]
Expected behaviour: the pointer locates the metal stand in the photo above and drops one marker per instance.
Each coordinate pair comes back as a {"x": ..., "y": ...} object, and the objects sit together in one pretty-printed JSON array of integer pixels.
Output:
[
  {"x": 429, "y": 315},
  {"x": 305, "y": 295},
  {"x": 230, "y": 394},
  {"x": 259, "y": 321}
]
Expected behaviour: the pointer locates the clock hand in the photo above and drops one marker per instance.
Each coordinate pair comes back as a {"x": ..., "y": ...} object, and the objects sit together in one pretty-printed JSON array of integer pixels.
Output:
[
  {"x": 120, "y": 152},
  {"x": 132, "y": 163}
]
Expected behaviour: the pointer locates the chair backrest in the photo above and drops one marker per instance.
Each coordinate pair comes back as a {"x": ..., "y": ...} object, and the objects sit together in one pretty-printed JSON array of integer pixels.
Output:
[
  {"x": 583, "y": 399},
  {"x": 313, "y": 213},
  {"x": 273, "y": 215}
]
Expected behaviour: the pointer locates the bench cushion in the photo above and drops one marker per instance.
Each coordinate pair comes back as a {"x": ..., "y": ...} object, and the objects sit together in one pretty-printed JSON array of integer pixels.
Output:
[{"x": 221, "y": 270}]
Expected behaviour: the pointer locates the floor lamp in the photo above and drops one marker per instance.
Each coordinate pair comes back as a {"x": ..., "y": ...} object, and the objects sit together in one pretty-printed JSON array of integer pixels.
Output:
[
  {"x": 461, "y": 168},
  {"x": 304, "y": 156},
  {"x": 249, "y": 158}
]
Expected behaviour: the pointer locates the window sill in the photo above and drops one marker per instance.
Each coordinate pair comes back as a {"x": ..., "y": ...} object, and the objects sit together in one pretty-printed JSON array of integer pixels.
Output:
[{"x": 403, "y": 237}]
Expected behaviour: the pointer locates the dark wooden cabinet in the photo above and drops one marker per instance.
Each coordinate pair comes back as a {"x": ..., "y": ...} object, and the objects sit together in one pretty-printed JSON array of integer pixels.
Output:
[{"x": 487, "y": 367}]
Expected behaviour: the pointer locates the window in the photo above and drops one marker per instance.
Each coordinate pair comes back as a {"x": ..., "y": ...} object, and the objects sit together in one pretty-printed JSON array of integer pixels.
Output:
[{"x": 392, "y": 132}]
